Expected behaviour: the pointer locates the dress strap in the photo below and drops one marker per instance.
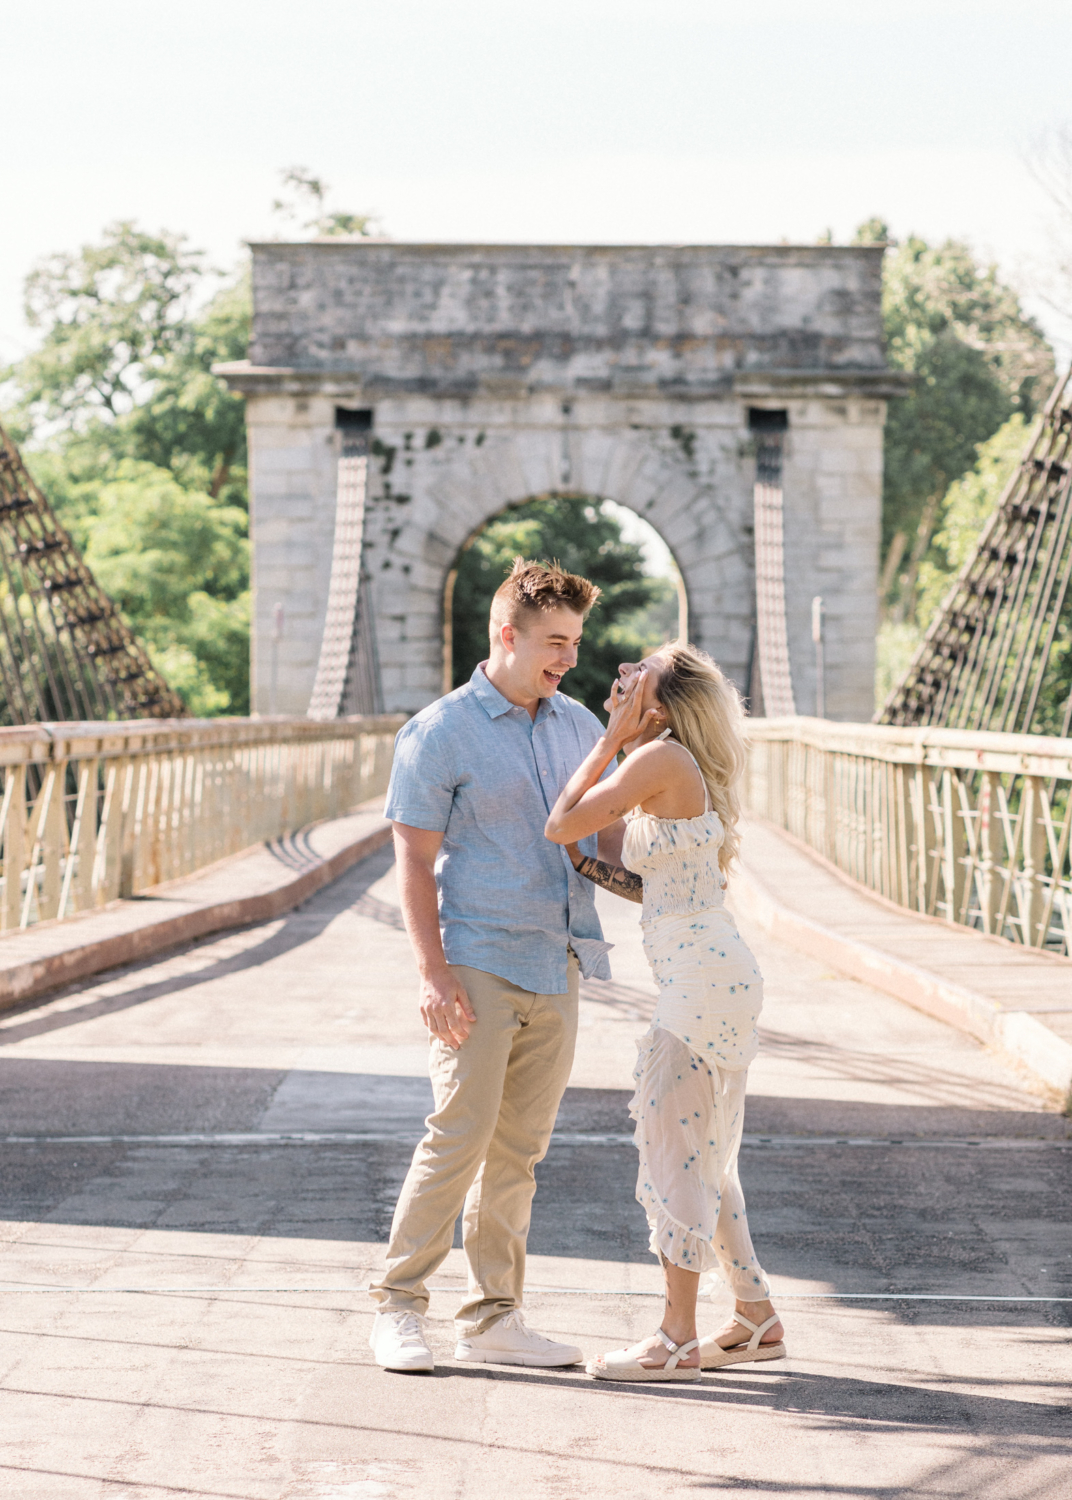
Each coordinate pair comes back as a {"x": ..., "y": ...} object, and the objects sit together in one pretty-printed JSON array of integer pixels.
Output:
[{"x": 696, "y": 763}]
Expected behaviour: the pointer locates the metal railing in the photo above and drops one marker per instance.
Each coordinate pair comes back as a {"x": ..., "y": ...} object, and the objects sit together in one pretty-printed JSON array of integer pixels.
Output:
[
  {"x": 973, "y": 827},
  {"x": 94, "y": 811}
]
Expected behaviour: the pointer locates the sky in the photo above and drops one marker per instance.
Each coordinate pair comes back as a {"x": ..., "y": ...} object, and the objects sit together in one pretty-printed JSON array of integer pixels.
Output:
[{"x": 505, "y": 120}]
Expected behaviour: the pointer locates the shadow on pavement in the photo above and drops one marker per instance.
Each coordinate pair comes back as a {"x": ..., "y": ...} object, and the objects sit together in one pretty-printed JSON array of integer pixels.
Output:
[
  {"x": 841, "y": 1400},
  {"x": 298, "y": 927}
]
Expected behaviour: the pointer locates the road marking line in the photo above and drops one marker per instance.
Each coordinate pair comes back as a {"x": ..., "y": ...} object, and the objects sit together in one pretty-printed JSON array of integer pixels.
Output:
[
  {"x": 559, "y": 1138},
  {"x": 561, "y": 1291}
]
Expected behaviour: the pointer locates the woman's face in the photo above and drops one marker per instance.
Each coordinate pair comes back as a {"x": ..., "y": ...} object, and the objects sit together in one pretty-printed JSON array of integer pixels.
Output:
[{"x": 650, "y": 667}]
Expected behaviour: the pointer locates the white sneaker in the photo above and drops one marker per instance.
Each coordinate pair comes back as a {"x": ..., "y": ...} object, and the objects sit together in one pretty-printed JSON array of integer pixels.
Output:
[
  {"x": 509, "y": 1342},
  {"x": 398, "y": 1343}
]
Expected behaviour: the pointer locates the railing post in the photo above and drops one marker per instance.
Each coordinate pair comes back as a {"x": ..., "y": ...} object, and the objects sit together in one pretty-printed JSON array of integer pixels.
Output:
[
  {"x": 990, "y": 837},
  {"x": 1033, "y": 840},
  {"x": 78, "y": 876},
  {"x": 903, "y": 818},
  {"x": 952, "y": 848},
  {"x": 133, "y": 799},
  {"x": 48, "y": 829},
  {"x": 13, "y": 815},
  {"x": 917, "y": 839}
]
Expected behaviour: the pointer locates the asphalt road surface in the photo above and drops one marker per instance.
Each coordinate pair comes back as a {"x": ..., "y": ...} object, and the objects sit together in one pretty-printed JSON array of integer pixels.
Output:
[{"x": 200, "y": 1160}]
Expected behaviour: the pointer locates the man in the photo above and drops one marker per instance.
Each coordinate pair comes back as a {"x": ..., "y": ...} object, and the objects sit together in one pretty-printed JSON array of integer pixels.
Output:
[{"x": 501, "y": 926}]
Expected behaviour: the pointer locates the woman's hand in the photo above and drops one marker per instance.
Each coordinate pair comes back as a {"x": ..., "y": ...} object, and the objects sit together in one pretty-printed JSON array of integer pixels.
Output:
[
  {"x": 610, "y": 802},
  {"x": 627, "y": 718}
]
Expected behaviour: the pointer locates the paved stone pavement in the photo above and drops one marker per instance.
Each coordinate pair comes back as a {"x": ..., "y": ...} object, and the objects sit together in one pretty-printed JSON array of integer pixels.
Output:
[{"x": 188, "y": 1215}]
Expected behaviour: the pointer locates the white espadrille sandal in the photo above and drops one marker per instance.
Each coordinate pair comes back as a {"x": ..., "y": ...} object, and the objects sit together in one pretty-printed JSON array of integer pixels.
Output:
[
  {"x": 619, "y": 1364},
  {"x": 713, "y": 1356}
]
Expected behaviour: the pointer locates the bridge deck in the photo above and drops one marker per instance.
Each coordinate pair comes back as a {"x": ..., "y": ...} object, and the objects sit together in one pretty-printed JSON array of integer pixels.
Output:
[{"x": 183, "y": 1303}]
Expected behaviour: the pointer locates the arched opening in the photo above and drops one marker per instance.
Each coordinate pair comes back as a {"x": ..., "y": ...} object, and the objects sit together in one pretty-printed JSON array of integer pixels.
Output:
[{"x": 644, "y": 601}]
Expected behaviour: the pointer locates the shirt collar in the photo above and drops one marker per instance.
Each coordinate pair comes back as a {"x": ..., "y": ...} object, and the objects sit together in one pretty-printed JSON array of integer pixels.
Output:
[{"x": 493, "y": 702}]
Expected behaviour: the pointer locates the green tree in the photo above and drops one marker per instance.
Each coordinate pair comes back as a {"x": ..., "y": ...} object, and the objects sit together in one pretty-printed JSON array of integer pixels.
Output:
[
  {"x": 635, "y": 614},
  {"x": 965, "y": 509},
  {"x": 306, "y": 193},
  {"x": 141, "y": 448},
  {"x": 962, "y": 514},
  {"x": 977, "y": 359},
  {"x": 968, "y": 504},
  {"x": 110, "y": 314},
  {"x": 124, "y": 368},
  {"x": 189, "y": 421},
  {"x": 176, "y": 562}
]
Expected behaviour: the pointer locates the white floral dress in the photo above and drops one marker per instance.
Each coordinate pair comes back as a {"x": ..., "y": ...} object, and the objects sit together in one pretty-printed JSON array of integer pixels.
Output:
[{"x": 693, "y": 1063}]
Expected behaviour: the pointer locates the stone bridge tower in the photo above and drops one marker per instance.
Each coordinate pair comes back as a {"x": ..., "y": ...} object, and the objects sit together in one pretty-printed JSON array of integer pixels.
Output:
[{"x": 485, "y": 375}]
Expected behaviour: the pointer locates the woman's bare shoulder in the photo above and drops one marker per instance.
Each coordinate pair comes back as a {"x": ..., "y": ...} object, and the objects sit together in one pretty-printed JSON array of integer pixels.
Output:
[
  {"x": 664, "y": 752},
  {"x": 664, "y": 780},
  {"x": 661, "y": 758},
  {"x": 653, "y": 750}
]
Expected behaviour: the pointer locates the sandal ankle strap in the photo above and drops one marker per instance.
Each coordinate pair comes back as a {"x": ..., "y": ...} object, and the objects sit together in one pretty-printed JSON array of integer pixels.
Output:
[
  {"x": 758, "y": 1329},
  {"x": 676, "y": 1351}
]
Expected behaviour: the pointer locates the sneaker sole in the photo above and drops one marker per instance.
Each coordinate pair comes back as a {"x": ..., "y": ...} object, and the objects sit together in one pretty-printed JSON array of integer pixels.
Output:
[
  {"x": 502, "y": 1357},
  {"x": 415, "y": 1369}
]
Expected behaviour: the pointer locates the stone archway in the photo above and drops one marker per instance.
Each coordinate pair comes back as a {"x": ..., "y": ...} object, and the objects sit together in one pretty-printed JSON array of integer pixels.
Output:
[
  {"x": 495, "y": 373},
  {"x": 682, "y": 628}
]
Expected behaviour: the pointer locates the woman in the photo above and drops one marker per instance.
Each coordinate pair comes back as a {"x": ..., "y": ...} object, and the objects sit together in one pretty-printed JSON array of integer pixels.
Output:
[{"x": 680, "y": 724}]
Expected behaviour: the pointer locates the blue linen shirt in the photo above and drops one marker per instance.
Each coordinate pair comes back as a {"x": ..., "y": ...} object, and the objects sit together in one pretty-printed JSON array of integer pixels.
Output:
[{"x": 476, "y": 768}]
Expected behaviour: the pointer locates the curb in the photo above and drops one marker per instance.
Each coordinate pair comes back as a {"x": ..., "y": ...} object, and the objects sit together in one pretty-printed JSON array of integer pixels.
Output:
[
  {"x": 37, "y": 976},
  {"x": 1026, "y": 1039}
]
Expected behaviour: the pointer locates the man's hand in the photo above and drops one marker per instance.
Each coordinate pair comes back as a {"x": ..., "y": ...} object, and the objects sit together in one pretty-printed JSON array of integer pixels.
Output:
[{"x": 445, "y": 1008}]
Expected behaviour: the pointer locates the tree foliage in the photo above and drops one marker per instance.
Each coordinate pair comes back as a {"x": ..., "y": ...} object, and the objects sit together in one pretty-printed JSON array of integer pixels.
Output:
[
  {"x": 110, "y": 314},
  {"x": 635, "y": 614},
  {"x": 306, "y": 193},
  {"x": 965, "y": 509},
  {"x": 976, "y": 358},
  {"x": 141, "y": 448}
]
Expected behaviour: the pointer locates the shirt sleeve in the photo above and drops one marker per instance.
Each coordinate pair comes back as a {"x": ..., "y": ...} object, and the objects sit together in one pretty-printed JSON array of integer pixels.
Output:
[{"x": 421, "y": 793}]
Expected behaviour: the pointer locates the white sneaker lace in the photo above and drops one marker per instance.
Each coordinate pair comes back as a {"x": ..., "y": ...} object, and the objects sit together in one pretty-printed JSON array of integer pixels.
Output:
[
  {"x": 515, "y": 1321},
  {"x": 409, "y": 1328}
]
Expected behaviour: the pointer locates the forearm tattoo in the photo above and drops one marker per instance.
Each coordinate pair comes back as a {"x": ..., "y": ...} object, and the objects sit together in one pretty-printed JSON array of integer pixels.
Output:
[{"x": 612, "y": 878}]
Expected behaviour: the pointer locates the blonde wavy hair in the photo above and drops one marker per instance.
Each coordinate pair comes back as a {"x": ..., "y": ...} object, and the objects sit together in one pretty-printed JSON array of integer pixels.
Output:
[{"x": 704, "y": 710}]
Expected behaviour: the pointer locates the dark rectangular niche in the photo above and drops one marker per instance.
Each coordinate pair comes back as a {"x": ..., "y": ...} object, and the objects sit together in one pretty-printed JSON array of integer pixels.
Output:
[
  {"x": 348, "y": 420},
  {"x": 762, "y": 420}
]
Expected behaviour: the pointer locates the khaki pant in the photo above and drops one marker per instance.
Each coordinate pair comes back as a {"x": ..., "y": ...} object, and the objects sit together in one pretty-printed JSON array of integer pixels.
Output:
[{"x": 495, "y": 1104}]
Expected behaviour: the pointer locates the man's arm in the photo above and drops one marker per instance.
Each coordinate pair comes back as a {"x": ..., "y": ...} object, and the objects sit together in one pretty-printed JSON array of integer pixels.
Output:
[{"x": 445, "y": 1007}]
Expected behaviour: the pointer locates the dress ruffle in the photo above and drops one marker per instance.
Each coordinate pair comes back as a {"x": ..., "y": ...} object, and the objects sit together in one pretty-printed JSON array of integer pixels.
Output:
[
  {"x": 652, "y": 835},
  {"x": 674, "y": 1107},
  {"x": 678, "y": 858},
  {"x": 689, "y": 1119}
]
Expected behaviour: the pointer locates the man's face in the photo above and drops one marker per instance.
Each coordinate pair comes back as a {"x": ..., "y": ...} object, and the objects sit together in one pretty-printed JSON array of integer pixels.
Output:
[{"x": 541, "y": 650}]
